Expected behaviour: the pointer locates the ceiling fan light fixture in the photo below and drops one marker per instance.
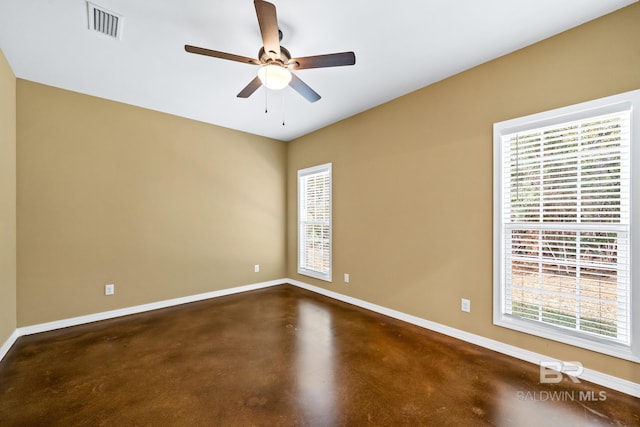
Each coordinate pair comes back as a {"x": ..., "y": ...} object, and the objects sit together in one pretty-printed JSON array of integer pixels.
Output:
[{"x": 274, "y": 76}]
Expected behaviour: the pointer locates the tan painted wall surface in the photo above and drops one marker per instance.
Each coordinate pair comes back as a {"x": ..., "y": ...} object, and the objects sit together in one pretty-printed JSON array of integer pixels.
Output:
[
  {"x": 7, "y": 200},
  {"x": 161, "y": 206},
  {"x": 412, "y": 180}
]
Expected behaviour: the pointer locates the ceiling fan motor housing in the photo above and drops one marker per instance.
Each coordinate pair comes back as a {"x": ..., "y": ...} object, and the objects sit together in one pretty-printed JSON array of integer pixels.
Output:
[{"x": 266, "y": 58}]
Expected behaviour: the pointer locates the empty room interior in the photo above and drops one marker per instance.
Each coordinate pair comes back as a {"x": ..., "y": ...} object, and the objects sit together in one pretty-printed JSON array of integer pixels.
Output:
[{"x": 378, "y": 243}]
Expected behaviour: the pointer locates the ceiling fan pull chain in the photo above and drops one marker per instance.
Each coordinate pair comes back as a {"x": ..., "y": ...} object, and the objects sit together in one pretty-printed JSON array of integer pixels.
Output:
[
  {"x": 283, "y": 95},
  {"x": 266, "y": 110}
]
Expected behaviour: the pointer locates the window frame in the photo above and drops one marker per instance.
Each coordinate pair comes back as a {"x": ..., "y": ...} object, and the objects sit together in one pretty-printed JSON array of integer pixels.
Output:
[
  {"x": 616, "y": 103},
  {"x": 302, "y": 269}
]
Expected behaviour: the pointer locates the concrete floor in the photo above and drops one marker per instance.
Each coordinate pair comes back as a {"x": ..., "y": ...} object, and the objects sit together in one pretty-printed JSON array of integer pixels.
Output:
[{"x": 282, "y": 356}]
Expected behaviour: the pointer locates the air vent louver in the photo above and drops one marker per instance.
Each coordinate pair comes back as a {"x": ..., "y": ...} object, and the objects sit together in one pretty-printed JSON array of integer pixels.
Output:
[{"x": 104, "y": 21}]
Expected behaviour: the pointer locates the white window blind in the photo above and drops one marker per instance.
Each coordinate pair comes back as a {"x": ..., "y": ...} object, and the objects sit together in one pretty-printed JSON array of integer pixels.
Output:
[
  {"x": 314, "y": 222},
  {"x": 565, "y": 227},
  {"x": 566, "y": 222}
]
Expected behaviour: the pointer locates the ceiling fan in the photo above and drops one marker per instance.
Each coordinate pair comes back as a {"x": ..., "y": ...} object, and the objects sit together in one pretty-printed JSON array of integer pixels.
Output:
[{"x": 275, "y": 60}]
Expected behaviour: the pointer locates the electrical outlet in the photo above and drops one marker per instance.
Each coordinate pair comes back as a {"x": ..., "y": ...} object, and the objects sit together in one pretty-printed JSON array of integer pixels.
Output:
[
  {"x": 465, "y": 305},
  {"x": 346, "y": 277},
  {"x": 109, "y": 289},
  {"x": 256, "y": 268}
]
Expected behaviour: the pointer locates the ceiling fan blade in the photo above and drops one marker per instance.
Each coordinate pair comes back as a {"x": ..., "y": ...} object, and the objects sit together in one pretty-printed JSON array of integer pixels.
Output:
[
  {"x": 221, "y": 55},
  {"x": 268, "y": 22},
  {"x": 250, "y": 88},
  {"x": 320, "y": 61},
  {"x": 303, "y": 89}
]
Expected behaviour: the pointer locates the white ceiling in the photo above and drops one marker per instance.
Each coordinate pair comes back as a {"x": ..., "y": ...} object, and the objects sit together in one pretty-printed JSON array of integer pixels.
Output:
[{"x": 399, "y": 46}]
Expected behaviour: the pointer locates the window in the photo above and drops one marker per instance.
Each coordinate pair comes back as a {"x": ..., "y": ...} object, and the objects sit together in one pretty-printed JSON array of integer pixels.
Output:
[
  {"x": 566, "y": 230},
  {"x": 314, "y": 222}
]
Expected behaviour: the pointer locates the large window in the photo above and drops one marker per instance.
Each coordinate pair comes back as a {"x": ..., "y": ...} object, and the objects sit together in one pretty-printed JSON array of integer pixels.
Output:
[
  {"x": 314, "y": 222},
  {"x": 566, "y": 225}
]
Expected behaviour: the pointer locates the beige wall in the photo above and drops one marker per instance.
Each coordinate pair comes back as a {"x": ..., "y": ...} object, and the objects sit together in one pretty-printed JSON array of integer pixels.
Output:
[
  {"x": 161, "y": 206},
  {"x": 7, "y": 200},
  {"x": 412, "y": 179}
]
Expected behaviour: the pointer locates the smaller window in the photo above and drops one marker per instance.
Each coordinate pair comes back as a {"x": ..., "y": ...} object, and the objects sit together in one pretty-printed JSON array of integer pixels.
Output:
[{"x": 314, "y": 222}]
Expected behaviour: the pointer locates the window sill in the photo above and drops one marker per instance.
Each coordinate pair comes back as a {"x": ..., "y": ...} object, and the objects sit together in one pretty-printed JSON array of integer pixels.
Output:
[
  {"x": 315, "y": 274},
  {"x": 569, "y": 337}
]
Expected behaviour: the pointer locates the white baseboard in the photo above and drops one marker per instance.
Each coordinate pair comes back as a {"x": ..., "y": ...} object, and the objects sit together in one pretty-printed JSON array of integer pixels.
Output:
[
  {"x": 8, "y": 343},
  {"x": 80, "y": 320},
  {"x": 590, "y": 375}
]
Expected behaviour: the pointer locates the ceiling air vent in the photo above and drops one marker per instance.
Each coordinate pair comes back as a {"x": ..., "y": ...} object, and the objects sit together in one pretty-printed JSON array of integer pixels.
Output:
[{"x": 104, "y": 22}]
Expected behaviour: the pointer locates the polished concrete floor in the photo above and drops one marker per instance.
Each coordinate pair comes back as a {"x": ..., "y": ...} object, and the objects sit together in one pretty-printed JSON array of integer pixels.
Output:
[{"x": 282, "y": 356}]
